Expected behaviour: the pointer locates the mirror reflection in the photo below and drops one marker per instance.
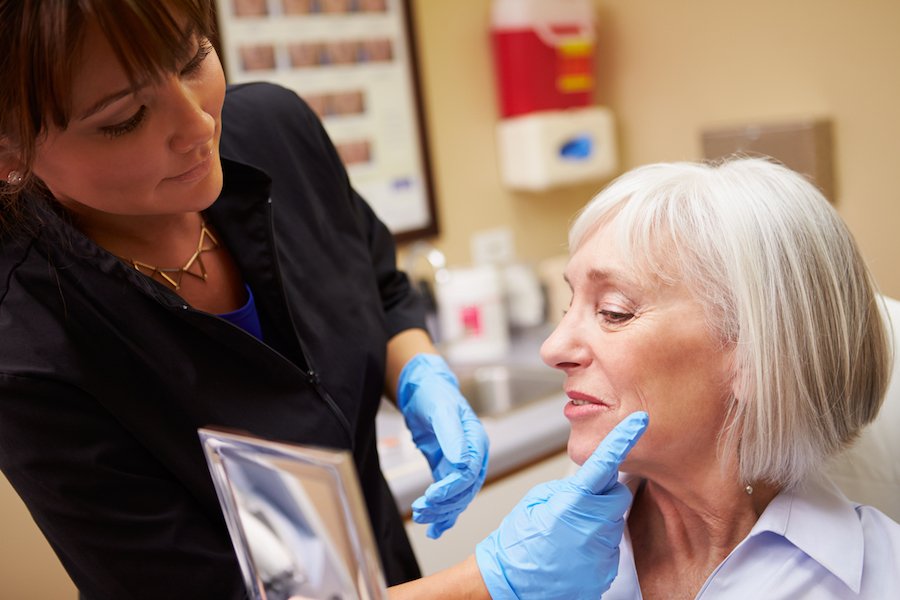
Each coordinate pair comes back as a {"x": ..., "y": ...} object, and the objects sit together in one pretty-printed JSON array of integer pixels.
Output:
[{"x": 296, "y": 519}]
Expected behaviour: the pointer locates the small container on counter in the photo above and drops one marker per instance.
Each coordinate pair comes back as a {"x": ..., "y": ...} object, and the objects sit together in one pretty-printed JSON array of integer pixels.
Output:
[{"x": 472, "y": 314}]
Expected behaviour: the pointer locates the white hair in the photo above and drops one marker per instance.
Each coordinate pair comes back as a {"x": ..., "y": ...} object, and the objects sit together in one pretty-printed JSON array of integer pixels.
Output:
[{"x": 785, "y": 288}]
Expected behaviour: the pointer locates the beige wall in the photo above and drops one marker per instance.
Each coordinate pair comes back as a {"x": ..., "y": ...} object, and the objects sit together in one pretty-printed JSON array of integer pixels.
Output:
[
  {"x": 461, "y": 112},
  {"x": 28, "y": 568},
  {"x": 668, "y": 70}
]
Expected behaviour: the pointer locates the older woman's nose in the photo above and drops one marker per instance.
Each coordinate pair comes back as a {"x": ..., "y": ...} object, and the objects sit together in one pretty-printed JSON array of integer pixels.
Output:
[{"x": 563, "y": 349}]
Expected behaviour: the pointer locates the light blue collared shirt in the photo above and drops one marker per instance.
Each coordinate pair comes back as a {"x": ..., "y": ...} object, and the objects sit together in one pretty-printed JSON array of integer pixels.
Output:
[{"x": 809, "y": 543}]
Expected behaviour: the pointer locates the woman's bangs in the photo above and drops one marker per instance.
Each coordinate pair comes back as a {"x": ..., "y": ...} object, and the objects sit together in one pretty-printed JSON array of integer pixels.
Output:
[{"x": 152, "y": 39}]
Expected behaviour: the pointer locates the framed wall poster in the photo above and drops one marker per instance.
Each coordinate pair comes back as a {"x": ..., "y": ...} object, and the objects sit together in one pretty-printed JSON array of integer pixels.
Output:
[{"x": 354, "y": 63}]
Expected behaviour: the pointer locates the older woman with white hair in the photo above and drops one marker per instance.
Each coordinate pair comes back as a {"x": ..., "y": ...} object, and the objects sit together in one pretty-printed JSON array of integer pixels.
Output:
[{"x": 730, "y": 302}]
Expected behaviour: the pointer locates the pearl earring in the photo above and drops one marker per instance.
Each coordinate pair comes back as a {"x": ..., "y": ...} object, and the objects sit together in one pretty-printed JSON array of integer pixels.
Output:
[{"x": 14, "y": 178}]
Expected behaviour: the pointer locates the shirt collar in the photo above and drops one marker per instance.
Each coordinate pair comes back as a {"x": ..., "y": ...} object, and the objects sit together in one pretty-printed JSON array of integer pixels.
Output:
[{"x": 801, "y": 514}]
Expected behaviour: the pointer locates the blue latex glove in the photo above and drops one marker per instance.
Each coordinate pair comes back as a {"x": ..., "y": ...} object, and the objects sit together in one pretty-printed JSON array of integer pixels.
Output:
[
  {"x": 446, "y": 430},
  {"x": 562, "y": 539}
]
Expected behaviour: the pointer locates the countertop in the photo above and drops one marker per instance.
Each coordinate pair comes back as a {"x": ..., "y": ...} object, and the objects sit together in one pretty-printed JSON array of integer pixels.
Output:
[{"x": 517, "y": 438}]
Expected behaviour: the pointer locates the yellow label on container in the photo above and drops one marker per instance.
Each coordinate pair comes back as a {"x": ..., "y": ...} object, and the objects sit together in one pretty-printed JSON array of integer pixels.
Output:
[
  {"x": 571, "y": 84},
  {"x": 575, "y": 47},
  {"x": 575, "y": 66}
]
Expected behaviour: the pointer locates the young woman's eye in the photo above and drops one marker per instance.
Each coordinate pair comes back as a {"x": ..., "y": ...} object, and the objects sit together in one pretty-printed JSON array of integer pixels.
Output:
[
  {"x": 126, "y": 126},
  {"x": 615, "y": 318},
  {"x": 203, "y": 51}
]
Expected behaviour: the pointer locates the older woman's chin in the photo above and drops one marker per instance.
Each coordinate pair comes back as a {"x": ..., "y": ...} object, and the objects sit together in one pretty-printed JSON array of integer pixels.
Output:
[
  {"x": 581, "y": 447},
  {"x": 580, "y": 451},
  {"x": 585, "y": 436}
]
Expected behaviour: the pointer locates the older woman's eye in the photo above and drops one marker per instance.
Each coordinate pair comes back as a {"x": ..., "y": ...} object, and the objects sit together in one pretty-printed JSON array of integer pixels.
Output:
[{"x": 615, "y": 318}]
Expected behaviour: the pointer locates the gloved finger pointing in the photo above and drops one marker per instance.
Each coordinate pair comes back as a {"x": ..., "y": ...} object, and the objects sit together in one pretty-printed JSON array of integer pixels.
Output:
[{"x": 598, "y": 474}]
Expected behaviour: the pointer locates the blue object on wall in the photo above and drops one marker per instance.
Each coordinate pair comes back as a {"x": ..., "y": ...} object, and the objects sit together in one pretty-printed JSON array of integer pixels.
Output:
[{"x": 578, "y": 148}]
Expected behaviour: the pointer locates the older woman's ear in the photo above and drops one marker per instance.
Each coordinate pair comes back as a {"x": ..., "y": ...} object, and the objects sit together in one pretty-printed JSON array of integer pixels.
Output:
[
  {"x": 736, "y": 383},
  {"x": 736, "y": 387}
]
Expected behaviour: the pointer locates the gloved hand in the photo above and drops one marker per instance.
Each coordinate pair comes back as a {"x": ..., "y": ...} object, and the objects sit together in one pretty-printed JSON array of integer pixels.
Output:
[
  {"x": 446, "y": 430},
  {"x": 562, "y": 539}
]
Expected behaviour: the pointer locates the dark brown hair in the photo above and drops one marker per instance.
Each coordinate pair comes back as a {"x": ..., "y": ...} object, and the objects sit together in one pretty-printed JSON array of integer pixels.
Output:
[{"x": 40, "y": 41}]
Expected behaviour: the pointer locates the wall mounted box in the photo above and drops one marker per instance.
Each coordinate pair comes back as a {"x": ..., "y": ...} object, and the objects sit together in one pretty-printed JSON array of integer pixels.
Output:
[
  {"x": 548, "y": 149},
  {"x": 543, "y": 54},
  {"x": 803, "y": 145}
]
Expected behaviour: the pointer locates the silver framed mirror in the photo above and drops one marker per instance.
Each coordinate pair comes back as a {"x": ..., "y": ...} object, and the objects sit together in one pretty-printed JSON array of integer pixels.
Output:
[{"x": 296, "y": 518}]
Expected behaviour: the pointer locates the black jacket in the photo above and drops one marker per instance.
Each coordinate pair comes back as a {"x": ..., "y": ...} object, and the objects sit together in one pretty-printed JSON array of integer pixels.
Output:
[{"x": 105, "y": 375}]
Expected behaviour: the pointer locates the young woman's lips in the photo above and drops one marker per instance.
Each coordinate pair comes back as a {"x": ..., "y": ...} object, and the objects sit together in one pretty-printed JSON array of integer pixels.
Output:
[
  {"x": 582, "y": 406},
  {"x": 195, "y": 173}
]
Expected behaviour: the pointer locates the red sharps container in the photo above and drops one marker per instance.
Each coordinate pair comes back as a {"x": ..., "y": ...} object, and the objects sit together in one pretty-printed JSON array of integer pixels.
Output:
[{"x": 543, "y": 54}]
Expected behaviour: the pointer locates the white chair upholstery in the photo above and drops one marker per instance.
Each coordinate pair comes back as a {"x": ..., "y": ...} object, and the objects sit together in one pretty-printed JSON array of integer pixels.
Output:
[{"x": 869, "y": 471}]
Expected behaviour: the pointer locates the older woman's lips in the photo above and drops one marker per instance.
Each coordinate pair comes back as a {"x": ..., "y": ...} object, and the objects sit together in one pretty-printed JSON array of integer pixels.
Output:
[{"x": 582, "y": 405}]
